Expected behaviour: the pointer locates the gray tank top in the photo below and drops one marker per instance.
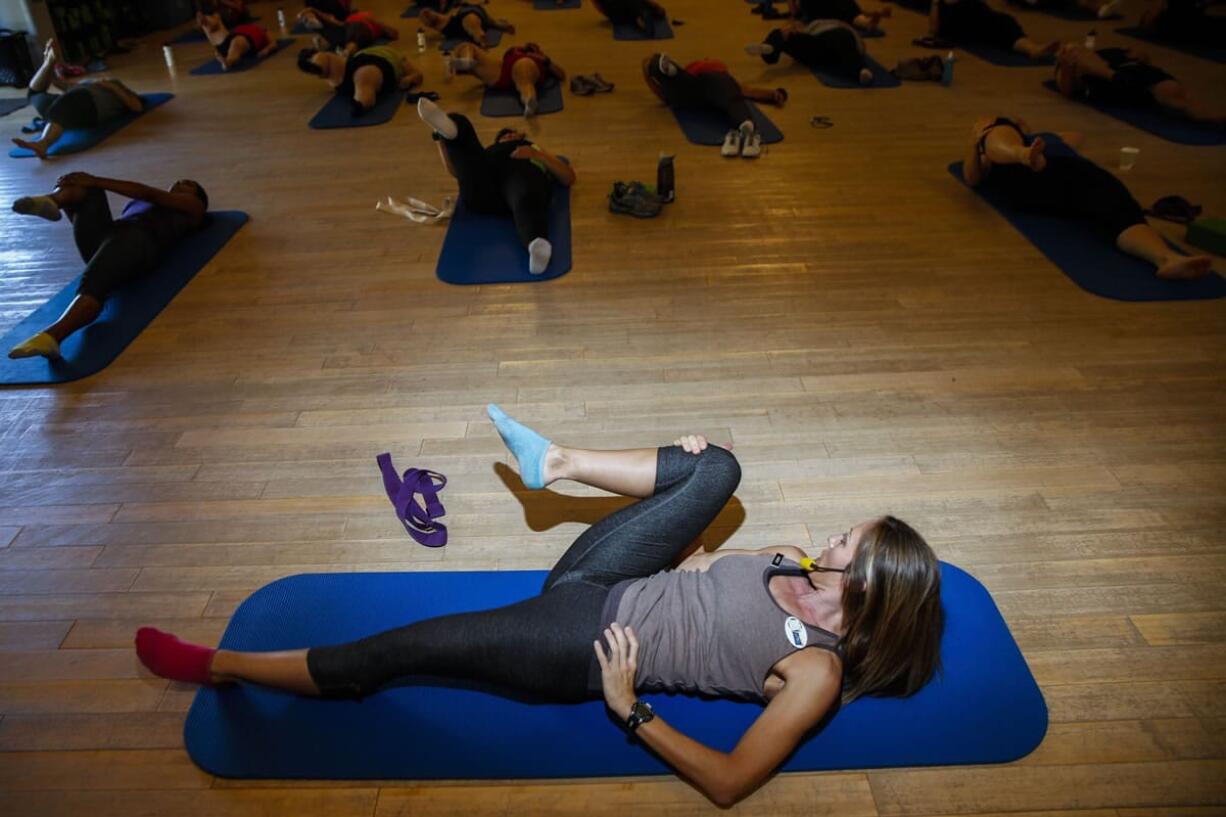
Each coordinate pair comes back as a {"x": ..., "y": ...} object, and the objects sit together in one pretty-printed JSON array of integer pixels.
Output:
[{"x": 718, "y": 632}]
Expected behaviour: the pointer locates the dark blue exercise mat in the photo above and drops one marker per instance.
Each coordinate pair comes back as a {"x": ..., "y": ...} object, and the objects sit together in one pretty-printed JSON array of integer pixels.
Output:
[
  {"x": 1096, "y": 265},
  {"x": 1208, "y": 52},
  {"x": 985, "y": 706},
  {"x": 506, "y": 102},
  {"x": 1003, "y": 58},
  {"x": 246, "y": 64},
  {"x": 336, "y": 112},
  {"x": 706, "y": 126},
  {"x": 75, "y": 141},
  {"x": 124, "y": 316},
  {"x": 493, "y": 36},
  {"x": 7, "y": 106},
  {"x": 882, "y": 78},
  {"x": 1159, "y": 121},
  {"x": 482, "y": 249},
  {"x": 661, "y": 30},
  {"x": 552, "y": 5}
]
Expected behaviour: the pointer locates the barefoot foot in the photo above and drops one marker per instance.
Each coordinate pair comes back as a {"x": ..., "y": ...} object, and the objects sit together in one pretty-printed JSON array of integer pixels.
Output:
[
  {"x": 1181, "y": 267},
  {"x": 1035, "y": 156},
  {"x": 40, "y": 150}
]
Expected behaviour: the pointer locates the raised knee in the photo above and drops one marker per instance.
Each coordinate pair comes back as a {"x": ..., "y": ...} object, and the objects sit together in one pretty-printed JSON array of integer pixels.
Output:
[{"x": 721, "y": 465}]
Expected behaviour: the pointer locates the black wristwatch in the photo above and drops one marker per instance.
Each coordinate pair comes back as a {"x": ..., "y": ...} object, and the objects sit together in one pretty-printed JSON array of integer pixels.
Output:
[{"x": 640, "y": 713}]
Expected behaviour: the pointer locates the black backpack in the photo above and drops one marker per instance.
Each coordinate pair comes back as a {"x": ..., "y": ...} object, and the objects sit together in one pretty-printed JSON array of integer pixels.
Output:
[{"x": 16, "y": 67}]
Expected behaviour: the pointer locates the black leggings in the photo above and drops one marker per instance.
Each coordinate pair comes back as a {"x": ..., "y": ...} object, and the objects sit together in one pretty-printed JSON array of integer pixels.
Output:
[
  {"x": 542, "y": 646},
  {"x": 499, "y": 187},
  {"x": 713, "y": 89},
  {"x": 628, "y": 12},
  {"x": 1071, "y": 187},
  {"x": 845, "y": 10},
  {"x": 71, "y": 110},
  {"x": 973, "y": 23},
  {"x": 115, "y": 252},
  {"x": 836, "y": 49}
]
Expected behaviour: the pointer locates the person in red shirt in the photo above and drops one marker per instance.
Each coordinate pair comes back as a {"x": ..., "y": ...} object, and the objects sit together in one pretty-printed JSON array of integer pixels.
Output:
[
  {"x": 234, "y": 44},
  {"x": 356, "y": 31},
  {"x": 522, "y": 67}
]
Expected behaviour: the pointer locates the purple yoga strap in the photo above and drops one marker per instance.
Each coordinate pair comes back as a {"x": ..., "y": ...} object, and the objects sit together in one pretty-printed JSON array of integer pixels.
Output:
[{"x": 418, "y": 521}]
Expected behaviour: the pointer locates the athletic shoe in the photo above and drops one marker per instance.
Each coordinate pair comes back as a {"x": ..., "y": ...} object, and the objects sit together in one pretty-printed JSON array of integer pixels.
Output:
[
  {"x": 581, "y": 85},
  {"x": 751, "y": 147},
  {"x": 633, "y": 199},
  {"x": 732, "y": 144},
  {"x": 601, "y": 85}
]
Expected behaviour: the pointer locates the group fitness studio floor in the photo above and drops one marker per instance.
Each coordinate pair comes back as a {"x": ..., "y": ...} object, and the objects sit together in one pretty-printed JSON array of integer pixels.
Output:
[{"x": 871, "y": 336}]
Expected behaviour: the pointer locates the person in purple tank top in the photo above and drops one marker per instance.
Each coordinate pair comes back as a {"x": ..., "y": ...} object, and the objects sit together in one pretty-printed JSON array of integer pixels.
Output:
[
  {"x": 115, "y": 251},
  {"x": 625, "y": 610}
]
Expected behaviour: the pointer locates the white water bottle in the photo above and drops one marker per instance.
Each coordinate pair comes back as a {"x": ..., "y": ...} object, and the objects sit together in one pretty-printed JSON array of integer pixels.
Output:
[
  {"x": 281, "y": 20},
  {"x": 421, "y": 41},
  {"x": 169, "y": 54},
  {"x": 1091, "y": 39}
]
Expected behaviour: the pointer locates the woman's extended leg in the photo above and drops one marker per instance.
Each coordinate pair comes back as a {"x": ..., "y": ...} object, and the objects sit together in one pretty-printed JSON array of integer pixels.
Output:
[
  {"x": 1004, "y": 145},
  {"x": 525, "y": 75},
  {"x": 1144, "y": 241}
]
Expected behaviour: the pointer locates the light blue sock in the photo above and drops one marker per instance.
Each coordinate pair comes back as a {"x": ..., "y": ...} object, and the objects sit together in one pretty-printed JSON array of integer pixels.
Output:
[{"x": 528, "y": 447}]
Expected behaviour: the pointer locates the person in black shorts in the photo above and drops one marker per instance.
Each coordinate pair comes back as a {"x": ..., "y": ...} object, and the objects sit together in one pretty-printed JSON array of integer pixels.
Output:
[
  {"x": 642, "y": 14},
  {"x": 116, "y": 252},
  {"x": 847, "y": 11},
  {"x": 1004, "y": 157},
  {"x": 367, "y": 75},
  {"x": 971, "y": 22},
  {"x": 465, "y": 22},
  {"x": 512, "y": 175},
  {"x": 1118, "y": 76},
  {"x": 829, "y": 44}
]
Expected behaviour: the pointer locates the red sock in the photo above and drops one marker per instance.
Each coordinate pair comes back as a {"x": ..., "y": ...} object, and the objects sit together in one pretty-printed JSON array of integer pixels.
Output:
[{"x": 167, "y": 656}]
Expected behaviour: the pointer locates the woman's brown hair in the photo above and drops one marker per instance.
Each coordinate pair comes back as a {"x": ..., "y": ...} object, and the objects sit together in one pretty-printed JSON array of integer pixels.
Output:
[{"x": 892, "y": 613}]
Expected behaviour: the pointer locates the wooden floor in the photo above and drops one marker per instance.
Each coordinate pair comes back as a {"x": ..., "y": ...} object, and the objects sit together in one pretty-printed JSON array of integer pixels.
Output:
[{"x": 872, "y": 338}]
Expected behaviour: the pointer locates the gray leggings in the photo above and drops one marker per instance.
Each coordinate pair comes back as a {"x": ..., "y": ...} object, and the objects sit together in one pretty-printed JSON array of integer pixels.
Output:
[
  {"x": 115, "y": 253},
  {"x": 542, "y": 646},
  {"x": 72, "y": 110}
]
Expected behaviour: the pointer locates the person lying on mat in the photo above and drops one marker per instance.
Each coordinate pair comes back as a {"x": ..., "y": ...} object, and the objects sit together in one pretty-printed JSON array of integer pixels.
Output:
[
  {"x": 642, "y": 14},
  {"x": 1102, "y": 8},
  {"x": 624, "y": 612},
  {"x": 830, "y": 44},
  {"x": 1120, "y": 76},
  {"x": 849, "y": 11},
  {"x": 511, "y": 176},
  {"x": 463, "y": 23},
  {"x": 524, "y": 68},
  {"x": 116, "y": 252},
  {"x": 328, "y": 12},
  {"x": 971, "y": 22},
  {"x": 234, "y": 44},
  {"x": 85, "y": 104},
  {"x": 1185, "y": 21},
  {"x": 707, "y": 84},
  {"x": 1002, "y": 156},
  {"x": 231, "y": 12},
  {"x": 357, "y": 31},
  {"x": 365, "y": 77}
]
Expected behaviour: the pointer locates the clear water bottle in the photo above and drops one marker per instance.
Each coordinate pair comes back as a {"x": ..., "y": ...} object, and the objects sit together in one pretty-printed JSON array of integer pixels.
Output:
[
  {"x": 281, "y": 22},
  {"x": 421, "y": 41},
  {"x": 947, "y": 69},
  {"x": 666, "y": 180},
  {"x": 1091, "y": 39}
]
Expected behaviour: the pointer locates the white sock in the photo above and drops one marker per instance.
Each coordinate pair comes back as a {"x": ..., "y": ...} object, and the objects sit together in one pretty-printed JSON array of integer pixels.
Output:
[
  {"x": 41, "y": 206},
  {"x": 437, "y": 118},
  {"x": 667, "y": 67},
  {"x": 758, "y": 49},
  {"x": 866, "y": 76},
  {"x": 746, "y": 129},
  {"x": 539, "y": 253}
]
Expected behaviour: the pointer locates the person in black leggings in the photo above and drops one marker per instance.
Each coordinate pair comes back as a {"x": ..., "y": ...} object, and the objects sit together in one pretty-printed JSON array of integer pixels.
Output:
[
  {"x": 1003, "y": 157},
  {"x": 971, "y": 22},
  {"x": 465, "y": 22},
  {"x": 1118, "y": 76},
  {"x": 642, "y": 14},
  {"x": 510, "y": 176},
  {"x": 879, "y": 577},
  {"x": 821, "y": 44},
  {"x": 115, "y": 251},
  {"x": 848, "y": 11},
  {"x": 706, "y": 84}
]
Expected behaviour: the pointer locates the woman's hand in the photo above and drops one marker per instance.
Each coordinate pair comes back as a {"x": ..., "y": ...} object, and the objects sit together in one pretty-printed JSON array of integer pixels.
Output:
[
  {"x": 525, "y": 152},
  {"x": 77, "y": 180},
  {"x": 618, "y": 667},
  {"x": 692, "y": 443}
]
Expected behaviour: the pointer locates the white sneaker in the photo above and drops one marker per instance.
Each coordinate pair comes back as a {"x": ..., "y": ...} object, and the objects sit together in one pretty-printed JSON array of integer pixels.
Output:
[
  {"x": 732, "y": 144},
  {"x": 751, "y": 147}
]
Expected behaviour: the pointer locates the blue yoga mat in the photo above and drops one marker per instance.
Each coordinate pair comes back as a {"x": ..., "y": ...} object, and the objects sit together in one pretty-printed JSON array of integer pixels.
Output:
[
  {"x": 1155, "y": 119},
  {"x": 493, "y": 36},
  {"x": 482, "y": 249},
  {"x": 550, "y": 5},
  {"x": 985, "y": 706},
  {"x": 213, "y": 67},
  {"x": 506, "y": 103},
  {"x": 628, "y": 31},
  {"x": 706, "y": 126},
  {"x": 882, "y": 78},
  {"x": 7, "y": 106},
  {"x": 124, "y": 316},
  {"x": 75, "y": 141},
  {"x": 1092, "y": 263},
  {"x": 1003, "y": 58},
  {"x": 1215, "y": 53},
  {"x": 335, "y": 112}
]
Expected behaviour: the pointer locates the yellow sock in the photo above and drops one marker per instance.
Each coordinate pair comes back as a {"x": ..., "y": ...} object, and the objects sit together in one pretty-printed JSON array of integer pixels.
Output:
[{"x": 42, "y": 345}]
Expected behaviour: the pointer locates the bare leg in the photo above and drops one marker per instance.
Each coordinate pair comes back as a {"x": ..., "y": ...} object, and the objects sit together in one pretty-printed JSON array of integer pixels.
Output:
[
  {"x": 865, "y": 22},
  {"x": 629, "y": 473},
  {"x": 367, "y": 81},
  {"x": 281, "y": 670},
  {"x": 44, "y": 77},
  {"x": 526, "y": 75},
  {"x": 1144, "y": 241},
  {"x": 1004, "y": 146},
  {"x": 83, "y": 311},
  {"x": 472, "y": 27},
  {"x": 50, "y": 135},
  {"x": 776, "y": 96},
  {"x": 1170, "y": 94},
  {"x": 239, "y": 47},
  {"x": 1027, "y": 46}
]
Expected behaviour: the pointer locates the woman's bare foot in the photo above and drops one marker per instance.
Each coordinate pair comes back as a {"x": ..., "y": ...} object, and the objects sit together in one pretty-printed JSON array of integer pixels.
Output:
[
  {"x": 40, "y": 150},
  {"x": 1035, "y": 156},
  {"x": 1185, "y": 267}
]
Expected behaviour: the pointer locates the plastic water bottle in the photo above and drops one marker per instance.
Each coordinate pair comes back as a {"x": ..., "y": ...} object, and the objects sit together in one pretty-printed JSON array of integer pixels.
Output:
[
  {"x": 947, "y": 69},
  {"x": 448, "y": 68},
  {"x": 281, "y": 21},
  {"x": 169, "y": 54},
  {"x": 665, "y": 178},
  {"x": 1091, "y": 39},
  {"x": 421, "y": 41}
]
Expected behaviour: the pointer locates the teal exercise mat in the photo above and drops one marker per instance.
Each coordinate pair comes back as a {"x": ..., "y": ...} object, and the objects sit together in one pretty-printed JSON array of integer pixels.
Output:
[
  {"x": 124, "y": 315},
  {"x": 75, "y": 141},
  {"x": 481, "y": 249},
  {"x": 1159, "y": 121},
  {"x": 213, "y": 67},
  {"x": 336, "y": 112},
  {"x": 983, "y": 707},
  {"x": 1092, "y": 263}
]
